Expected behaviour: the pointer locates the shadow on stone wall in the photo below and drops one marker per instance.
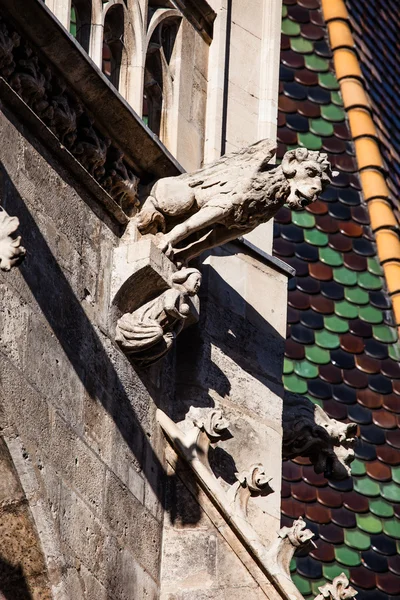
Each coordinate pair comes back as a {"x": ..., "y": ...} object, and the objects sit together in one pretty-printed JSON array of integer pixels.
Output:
[
  {"x": 13, "y": 585},
  {"x": 247, "y": 345},
  {"x": 77, "y": 336}
]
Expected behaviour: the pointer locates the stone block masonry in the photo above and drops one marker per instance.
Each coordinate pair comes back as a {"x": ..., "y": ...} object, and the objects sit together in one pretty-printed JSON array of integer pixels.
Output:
[{"x": 84, "y": 419}]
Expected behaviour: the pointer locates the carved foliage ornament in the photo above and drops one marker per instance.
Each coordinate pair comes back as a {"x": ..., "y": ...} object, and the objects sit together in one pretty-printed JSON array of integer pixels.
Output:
[
  {"x": 60, "y": 109},
  {"x": 309, "y": 432},
  {"x": 197, "y": 211},
  {"x": 339, "y": 589},
  {"x": 274, "y": 560}
]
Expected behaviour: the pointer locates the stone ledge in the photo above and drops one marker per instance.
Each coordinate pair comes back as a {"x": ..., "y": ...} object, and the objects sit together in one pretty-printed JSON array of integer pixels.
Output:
[{"x": 142, "y": 148}]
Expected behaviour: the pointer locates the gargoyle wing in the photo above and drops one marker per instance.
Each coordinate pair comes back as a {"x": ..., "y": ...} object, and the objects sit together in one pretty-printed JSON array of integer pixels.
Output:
[{"x": 230, "y": 168}]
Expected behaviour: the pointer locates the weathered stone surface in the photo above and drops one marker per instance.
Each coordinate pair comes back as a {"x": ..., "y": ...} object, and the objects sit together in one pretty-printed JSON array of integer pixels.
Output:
[
  {"x": 83, "y": 417},
  {"x": 230, "y": 197}
]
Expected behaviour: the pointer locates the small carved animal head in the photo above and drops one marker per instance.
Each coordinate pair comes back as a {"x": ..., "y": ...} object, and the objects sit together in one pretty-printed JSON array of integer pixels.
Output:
[{"x": 308, "y": 173}]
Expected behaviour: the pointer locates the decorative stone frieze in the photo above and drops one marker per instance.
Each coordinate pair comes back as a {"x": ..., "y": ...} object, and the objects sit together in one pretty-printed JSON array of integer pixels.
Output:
[
  {"x": 309, "y": 432},
  {"x": 11, "y": 251},
  {"x": 50, "y": 98},
  {"x": 222, "y": 201},
  {"x": 339, "y": 589}
]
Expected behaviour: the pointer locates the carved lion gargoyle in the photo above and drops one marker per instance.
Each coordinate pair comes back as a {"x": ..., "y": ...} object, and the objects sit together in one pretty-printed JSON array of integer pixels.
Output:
[
  {"x": 196, "y": 211},
  {"x": 309, "y": 432},
  {"x": 11, "y": 251},
  {"x": 339, "y": 589}
]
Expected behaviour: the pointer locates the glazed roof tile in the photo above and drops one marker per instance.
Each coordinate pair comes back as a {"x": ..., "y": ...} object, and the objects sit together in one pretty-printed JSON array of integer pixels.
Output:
[{"x": 342, "y": 351}]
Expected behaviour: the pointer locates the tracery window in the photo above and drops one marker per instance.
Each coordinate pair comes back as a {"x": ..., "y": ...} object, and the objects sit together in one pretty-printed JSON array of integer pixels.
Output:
[
  {"x": 80, "y": 22},
  {"x": 113, "y": 43},
  {"x": 159, "y": 75}
]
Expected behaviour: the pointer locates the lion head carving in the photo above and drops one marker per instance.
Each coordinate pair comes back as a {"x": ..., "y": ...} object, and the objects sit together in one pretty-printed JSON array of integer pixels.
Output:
[{"x": 308, "y": 173}]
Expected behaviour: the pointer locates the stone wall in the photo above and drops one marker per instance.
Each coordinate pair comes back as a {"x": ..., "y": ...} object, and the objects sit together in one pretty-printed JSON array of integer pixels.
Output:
[
  {"x": 232, "y": 360},
  {"x": 84, "y": 420}
]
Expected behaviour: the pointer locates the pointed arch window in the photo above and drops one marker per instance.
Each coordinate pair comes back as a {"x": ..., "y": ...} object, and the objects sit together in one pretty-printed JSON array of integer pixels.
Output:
[
  {"x": 158, "y": 77},
  {"x": 113, "y": 43},
  {"x": 80, "y": 21}
]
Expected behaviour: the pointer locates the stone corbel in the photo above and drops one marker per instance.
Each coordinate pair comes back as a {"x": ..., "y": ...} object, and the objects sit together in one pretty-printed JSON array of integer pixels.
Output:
[
  {"x": 192, "y": 446},
  {"x": 151, "y": 301},
  {"x": 309, "y": 432},
  {"x": 339, "y": 589},
  {"x": 11, "y": 251}
]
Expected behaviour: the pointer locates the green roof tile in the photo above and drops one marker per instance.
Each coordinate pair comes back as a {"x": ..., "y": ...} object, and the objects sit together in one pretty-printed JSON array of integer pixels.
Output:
[
  {"x": 317, "y": 355},
  {"x": 316, "y": 63},
  {"x": 316, "y": 238},
  {"x": 303, "y": 219},
  {"x": 346, "y": 310},
  {"x": 390, "y": 491},
  {"x": 306, "y": 369},
  {"x": 288, "y": 366},
  {"x": 385, "y": 334},
  {"x": 328, "y": 80},
  {"x": 380, "y": 508},
  {"x": 290, "y": 28},
  {"x": 345, "y": 276},
  {"x": 369, "y": 523},
  {"x": 370, "y": 314},
  {"x": 310, "y": 141},
  {"x": 303, "y": 585},
  {"x": 336, "y": 324},
  {"x": 396, "y": 476},
  {"x": 337, "y": 98},
  {"x": 374, "y": 267},
  {"x": 392, "y": 527},
  {"x": 332, "y": 570},
  {"x": 347, "y": 556},
  {"x": 358, "y": 467},
  {"x": 300, "y": 45},
  {"x": 369, "y": 282},
  {"x": 357, "y": 539},
  {"x": 330, "y": 112},
  {"x": 366, "y": 487},
  {"x": 321, "y": 127},
  {"x": 356, "y": 295},
  {"x": 284, "y": 11},
  {"x": 394, "y": 352},
  {"x": 330, "y": 257},
  {"x": 315, "y": 585},
  {"x": 327, "y": 340},
  {"x": 294, "y": 384},
  {"x": 292, "y": 566}
]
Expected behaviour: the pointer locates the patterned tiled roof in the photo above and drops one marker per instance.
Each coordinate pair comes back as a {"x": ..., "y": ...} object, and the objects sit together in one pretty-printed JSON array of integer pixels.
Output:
[
  {"x": 376, "y": 34},
  {"x": 341, "y": 349}
]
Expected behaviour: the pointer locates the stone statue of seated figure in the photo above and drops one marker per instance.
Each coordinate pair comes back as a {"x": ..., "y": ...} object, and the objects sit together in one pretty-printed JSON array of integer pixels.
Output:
[
  {"x": 148, "y": 333},
  {"x": 196, "y": 211}
]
